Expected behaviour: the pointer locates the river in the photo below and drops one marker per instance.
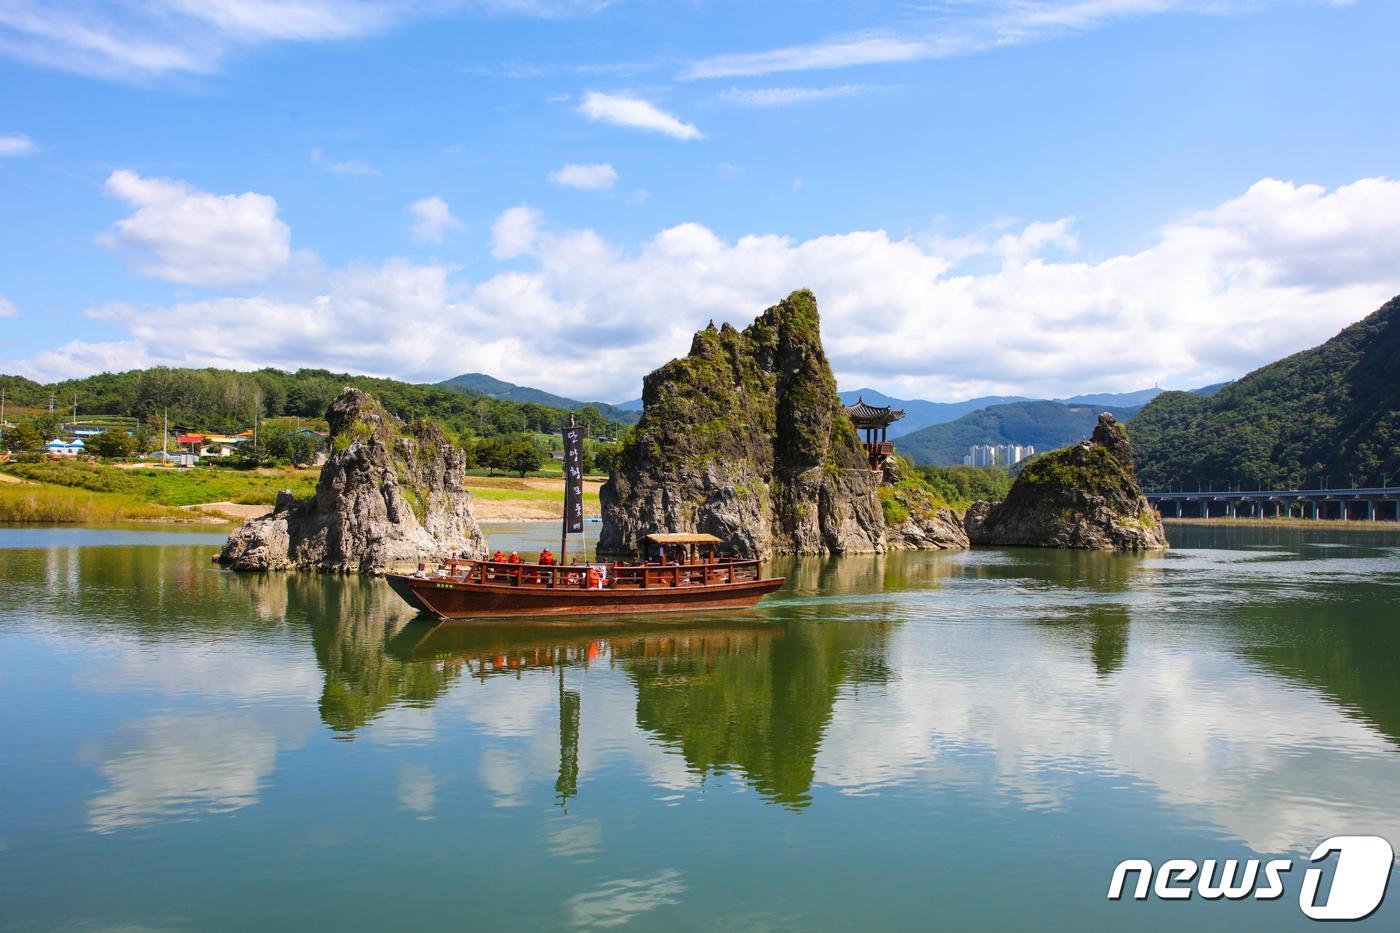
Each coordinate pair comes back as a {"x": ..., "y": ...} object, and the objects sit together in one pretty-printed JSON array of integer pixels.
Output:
[{"x": 950, "y": 740}]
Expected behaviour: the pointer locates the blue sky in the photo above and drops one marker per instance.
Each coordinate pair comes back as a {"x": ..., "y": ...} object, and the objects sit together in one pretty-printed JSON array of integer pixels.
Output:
[{"x": 1033, "y": 196}]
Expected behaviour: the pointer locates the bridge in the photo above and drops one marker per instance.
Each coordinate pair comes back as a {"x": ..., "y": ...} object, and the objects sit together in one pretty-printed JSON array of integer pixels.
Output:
[{"x": 1374, "y": 504}]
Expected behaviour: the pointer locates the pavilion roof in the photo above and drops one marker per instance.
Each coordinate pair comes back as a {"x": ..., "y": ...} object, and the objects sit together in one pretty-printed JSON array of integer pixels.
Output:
[{"x": 861, "y": 413}]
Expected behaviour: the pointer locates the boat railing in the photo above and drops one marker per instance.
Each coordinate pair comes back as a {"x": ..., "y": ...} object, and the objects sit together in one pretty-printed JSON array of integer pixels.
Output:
[{"x": 620, "y": 576}]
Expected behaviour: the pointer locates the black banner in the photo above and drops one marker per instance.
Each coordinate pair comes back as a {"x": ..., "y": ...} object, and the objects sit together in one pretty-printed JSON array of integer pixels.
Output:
[{"x": 573, "y": 480}]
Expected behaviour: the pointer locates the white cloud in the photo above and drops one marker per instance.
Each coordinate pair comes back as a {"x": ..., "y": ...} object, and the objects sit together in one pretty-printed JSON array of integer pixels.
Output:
[
  {"x": 432, "y": 218},
  {"x": 182, "y": 234},
  {"x": 7, "y": 309},
  {"x": 1221, "y": 291},
  {"x": 14, "y": 144},
  {"x": 625, "y": 110},
  {"x": 341, "y": 167},
  {"x": 594, "y": 177},
  {"x": 78, "y": 358},
  {"x": 132, "y": 41},
  {"x": 840, "y": 53},
  {"x": 787, "y": 96},
  {"x": 973, "y": 26},
  {"x": 514, "y": 232}
]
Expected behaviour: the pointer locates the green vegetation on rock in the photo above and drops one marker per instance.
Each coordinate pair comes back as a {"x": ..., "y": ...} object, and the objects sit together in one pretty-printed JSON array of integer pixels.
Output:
[
  {"x": 1083, "y": 496},
  {"x": 755, "y": 409}
]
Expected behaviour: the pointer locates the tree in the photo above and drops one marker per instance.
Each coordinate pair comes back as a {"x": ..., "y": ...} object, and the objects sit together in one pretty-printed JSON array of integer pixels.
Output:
[
  {"x": 488, "y": 452},
  {"x": 295, "y": 447},
  {"x": 113, "y": 442},
  {"x": 24, "y": 438},
  {"x": 605, "y": 457},
  {"x": 523, "y": 457}
]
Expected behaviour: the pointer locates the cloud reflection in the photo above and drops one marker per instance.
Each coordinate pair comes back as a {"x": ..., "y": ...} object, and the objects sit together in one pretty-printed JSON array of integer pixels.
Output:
[
  {"x": 622, "y": 900},
  {"x": 181, "y": 767}
]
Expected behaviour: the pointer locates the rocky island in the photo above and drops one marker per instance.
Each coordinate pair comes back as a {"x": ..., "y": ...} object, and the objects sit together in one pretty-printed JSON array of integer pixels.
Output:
[
  {"x": 745, "y": 438},
  {"x": 390, "y": 495},
  {"x": 1085, "y": 496}
]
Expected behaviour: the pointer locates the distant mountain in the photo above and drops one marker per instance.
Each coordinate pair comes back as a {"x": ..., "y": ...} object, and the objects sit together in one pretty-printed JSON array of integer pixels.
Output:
[
  {"x": 490, "y": 386},
  {"x": 1045, "y": 424},
  {"x": 920, "y": 413},
  {"x": 1329, "y": 414},
  {"x": 632, "y": 404},
  {"x": 1113, "y": 399}
]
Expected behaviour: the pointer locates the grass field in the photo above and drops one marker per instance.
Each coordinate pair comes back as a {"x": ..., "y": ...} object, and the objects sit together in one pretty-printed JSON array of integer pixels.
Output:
[
  {"x": 62, "y": 504},
  {"x": 66, "y": 491},
  {"x": 170, "y": 486}
]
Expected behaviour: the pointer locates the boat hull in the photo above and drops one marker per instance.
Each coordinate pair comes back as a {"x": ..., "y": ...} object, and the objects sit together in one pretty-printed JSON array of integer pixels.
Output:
[{"x": 452, "y": 599}]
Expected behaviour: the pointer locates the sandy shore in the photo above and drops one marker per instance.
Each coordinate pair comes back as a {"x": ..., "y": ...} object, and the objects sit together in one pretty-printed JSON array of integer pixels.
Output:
[
  {"x": 235, "y": 511},
  {"x": 486, "y": 510},
  {"x": 492, "y": 501}
]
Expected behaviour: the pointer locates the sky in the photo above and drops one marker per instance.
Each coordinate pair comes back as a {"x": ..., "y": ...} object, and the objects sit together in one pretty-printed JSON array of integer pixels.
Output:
[{"x": 1034, "y": 197}]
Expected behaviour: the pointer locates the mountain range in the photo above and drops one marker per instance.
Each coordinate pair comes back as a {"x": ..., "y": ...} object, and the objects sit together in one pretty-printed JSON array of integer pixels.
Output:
[
  {"x": 940, "y": 433},
  {"x": 490, "y": 386},
  {"x": 1044, "y": 423},
  {"x": 920, "y": 413}
]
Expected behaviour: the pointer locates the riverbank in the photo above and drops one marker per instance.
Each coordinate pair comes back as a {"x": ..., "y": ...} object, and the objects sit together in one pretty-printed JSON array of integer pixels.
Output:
[
  {"x": 95, "y": 494},
  {"x": 1332, "y": 524},
  {"x": 511, "y": 499}
]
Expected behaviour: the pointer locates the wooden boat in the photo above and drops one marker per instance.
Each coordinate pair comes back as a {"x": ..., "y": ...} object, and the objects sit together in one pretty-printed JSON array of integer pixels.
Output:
[{"x": 470, "y": 589}]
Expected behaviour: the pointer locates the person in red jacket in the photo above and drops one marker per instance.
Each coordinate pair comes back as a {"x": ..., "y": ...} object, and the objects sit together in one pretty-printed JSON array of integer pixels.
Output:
[
  {"x": 547, "y": 557},
  {"x": 515, "y": 557}
]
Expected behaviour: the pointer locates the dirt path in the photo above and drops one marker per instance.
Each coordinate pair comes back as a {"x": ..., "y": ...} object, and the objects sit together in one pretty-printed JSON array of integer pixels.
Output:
[
  {"x": 545, "y": 483},
  {"x": 237, "y": 511},
  {"x": 7, "y": 478}
]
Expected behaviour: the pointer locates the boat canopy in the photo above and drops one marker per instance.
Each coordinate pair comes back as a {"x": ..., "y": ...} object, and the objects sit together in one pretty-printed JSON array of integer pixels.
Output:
[{"x": 682, "y": 538}]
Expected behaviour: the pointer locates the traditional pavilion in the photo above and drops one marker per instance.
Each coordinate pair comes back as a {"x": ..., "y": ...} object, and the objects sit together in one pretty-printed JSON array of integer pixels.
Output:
[{"x": 875, "y": 422}]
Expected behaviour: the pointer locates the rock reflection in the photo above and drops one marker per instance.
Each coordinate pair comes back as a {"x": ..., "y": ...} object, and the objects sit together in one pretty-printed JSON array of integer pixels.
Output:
[
  {"x": 752, "y": 700},
  {"x": 363, "y": 679},
  {"x": 756, "y": 707}
]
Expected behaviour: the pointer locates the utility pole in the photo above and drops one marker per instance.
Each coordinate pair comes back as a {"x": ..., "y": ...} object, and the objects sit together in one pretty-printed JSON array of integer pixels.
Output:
[
  {"x": 165, "y": 440},
  {"x": 2, "y": 419}
]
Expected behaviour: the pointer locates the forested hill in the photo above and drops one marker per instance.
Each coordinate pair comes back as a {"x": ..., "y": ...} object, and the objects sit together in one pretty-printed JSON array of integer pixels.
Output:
[
  {"x": 1045, "y": 424},
  {"x": 482, "y": 384},
  {"x": 225, "y": 400},
  {"x": 1330, "y": 414}
]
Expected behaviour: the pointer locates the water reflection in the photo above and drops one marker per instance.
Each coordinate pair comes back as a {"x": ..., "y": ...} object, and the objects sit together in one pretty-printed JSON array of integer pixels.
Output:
[
  {"x": 1251, "y": 688},
  {"x": 753, "y": 700}
]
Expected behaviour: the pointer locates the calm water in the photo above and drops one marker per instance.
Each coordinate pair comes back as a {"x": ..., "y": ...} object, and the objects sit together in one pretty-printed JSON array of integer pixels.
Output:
[{"x": 915, "y": 741}]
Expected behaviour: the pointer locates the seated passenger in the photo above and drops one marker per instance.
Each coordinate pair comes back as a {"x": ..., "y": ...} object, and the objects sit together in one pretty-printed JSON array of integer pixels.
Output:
[
  {"x": 515, "y": 557},
  {"x": 547, "y": 557}
]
